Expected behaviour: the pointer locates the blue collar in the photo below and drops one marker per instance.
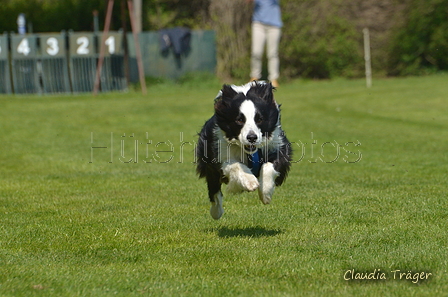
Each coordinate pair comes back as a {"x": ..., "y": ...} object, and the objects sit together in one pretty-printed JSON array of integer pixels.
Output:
[{"x": 254, "y": 163}]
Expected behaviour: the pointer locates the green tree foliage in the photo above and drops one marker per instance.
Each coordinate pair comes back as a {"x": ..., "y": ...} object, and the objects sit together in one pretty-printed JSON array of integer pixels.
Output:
[
  {"x": 232, "y": 22},
  {"x": 170, "y": 13},
  {"x": 421, "y": 43},
  {"x": 54, "y": 15},
  {"x": 318, "y": 42}
]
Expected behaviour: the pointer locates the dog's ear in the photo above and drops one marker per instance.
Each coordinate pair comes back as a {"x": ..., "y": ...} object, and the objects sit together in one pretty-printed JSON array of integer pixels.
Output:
[
  {"x": 262, "y": 91},
  {"x": 228, "y": 93},
  {"x": 225, "y": 96}
]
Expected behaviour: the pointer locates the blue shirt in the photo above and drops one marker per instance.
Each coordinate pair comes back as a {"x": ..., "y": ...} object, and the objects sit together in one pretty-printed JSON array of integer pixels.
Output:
[{"x": 268, "y": 12}]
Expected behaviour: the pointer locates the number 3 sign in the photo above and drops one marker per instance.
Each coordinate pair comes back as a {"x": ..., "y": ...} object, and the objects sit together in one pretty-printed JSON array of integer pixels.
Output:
[{"x": 52, "y": 45}]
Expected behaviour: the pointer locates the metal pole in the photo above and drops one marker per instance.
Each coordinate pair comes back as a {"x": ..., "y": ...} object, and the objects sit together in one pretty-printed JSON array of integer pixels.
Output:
[
  {"x": 96, "y": 25},
  {"x": 138, "y": 53},
  {"x": 110, "y": 7}
]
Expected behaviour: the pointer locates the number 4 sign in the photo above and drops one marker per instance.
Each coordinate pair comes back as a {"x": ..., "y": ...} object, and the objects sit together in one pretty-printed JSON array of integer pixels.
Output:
[{"x": 24, "y": 47}]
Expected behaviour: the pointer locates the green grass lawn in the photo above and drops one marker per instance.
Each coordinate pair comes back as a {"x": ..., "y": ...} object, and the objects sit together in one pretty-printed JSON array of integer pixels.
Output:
[{"x": 368, "y": 191}]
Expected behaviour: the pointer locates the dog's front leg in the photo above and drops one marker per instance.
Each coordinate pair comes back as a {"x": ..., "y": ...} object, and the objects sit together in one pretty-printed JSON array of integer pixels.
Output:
[
  {"x": 267, "y": 182},
  {"x": 240, "y": 177},
  {"x": 216, "y": 209},
  {"x": 214, "y": 192}
]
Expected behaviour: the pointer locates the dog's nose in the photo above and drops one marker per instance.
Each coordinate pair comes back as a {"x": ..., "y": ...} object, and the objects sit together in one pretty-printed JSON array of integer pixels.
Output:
[{"x": 252, "y": 137}]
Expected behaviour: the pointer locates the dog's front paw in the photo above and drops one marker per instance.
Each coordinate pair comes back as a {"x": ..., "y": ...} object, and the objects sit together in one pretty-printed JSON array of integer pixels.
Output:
[
  {"x": 265, "y": 197},
  {"x": 216, "y": 211},
  {"x": 240, "y": 178},
  {"x": 267, "y": 183},
  {"x": 243, "y": 182},
  {"x": 249, "y": 182}
]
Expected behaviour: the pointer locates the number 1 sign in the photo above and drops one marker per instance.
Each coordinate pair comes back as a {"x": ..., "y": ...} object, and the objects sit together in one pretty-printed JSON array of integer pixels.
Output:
[{"x": 112, "y": 43}]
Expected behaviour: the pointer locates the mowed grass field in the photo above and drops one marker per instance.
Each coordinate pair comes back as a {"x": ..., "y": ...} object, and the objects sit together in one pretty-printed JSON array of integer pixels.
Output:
[{"x": 99, "y": 197}]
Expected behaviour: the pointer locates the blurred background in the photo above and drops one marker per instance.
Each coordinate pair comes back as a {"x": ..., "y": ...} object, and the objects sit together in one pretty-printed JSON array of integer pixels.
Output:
[{"x": 320, "y": 38}]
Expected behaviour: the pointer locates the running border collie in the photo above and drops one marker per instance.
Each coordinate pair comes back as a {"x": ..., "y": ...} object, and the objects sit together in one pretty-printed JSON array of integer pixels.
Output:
[{"x": 243, "y": 145}]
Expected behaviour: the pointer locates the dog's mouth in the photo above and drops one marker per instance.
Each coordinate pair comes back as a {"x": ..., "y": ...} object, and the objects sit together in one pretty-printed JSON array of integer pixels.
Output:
[{"x": 250, "y": 149}]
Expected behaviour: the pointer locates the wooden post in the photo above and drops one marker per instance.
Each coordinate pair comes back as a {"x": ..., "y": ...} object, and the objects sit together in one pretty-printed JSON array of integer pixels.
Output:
[
  {"x": 110, "y": 7},
  {"x": 138, "y": 15},
  {"x": 138, "y": 53},
  {"x": 367, "y": 59},
  {"x": 125, "y": 41},
  {"x": 103, "y": 47}
]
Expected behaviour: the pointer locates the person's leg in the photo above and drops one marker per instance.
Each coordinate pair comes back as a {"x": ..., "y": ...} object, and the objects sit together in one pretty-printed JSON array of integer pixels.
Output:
[
  {"x": 258, "y": 42},
  {"x": 273, "y": 40}
]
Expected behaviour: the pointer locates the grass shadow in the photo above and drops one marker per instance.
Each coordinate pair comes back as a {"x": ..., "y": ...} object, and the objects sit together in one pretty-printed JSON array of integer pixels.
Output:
[{"x": 255, "y": 232}]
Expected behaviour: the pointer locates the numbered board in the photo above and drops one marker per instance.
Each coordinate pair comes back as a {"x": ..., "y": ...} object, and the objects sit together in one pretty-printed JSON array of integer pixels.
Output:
[
  {"x": 54, "y": 75},
  {"x": 3, "y": 47},
  {"x": 24, "y": 64},
  {"x": 52, "y": 45},
  {"x": 24, "y": 46},
  {"x": 5, "y": 81},
  {"x": 113, "y": 43},
  {"x": 82, "y": 44}
]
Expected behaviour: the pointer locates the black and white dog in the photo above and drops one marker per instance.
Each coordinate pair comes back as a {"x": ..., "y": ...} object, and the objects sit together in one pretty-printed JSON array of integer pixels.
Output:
[{"x": 243, "y": 144}]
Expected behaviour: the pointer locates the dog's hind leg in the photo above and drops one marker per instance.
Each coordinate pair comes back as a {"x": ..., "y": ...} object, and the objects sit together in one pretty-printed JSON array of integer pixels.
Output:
[
  {"x": 267, "y": 182},
  {"x": 215, "y": 195}
]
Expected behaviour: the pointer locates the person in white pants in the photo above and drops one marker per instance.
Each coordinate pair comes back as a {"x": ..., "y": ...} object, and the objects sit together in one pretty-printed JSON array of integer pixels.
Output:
[{"x": 266, "y": 30}]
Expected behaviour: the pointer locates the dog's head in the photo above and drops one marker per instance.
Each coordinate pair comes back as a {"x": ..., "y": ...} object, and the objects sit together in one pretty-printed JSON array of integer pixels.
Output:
[{"x": 247, "y": 114}]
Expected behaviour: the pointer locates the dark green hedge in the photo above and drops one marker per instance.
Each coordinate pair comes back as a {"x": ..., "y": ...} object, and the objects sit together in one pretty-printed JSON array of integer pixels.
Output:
[{"x": 420, "y": 45}]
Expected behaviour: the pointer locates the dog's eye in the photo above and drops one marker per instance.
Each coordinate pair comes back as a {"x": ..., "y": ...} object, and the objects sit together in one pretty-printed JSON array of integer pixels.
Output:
[
  {"x": 239, "y": 120},
  {"x": 258, "y": 119}
]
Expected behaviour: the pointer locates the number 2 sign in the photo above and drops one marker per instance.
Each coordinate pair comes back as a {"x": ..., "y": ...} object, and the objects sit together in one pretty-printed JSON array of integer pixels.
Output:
[{"x": 81, "y": 44}]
